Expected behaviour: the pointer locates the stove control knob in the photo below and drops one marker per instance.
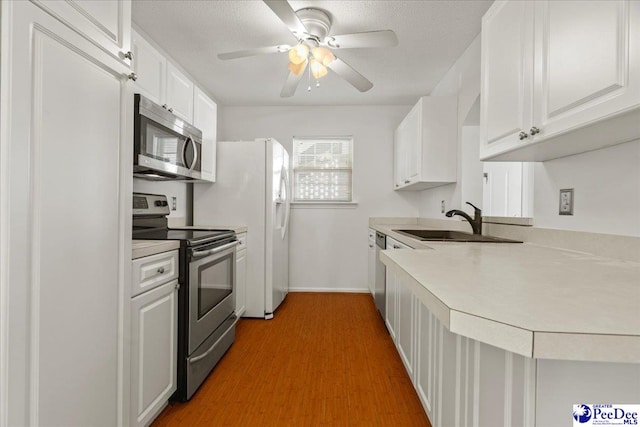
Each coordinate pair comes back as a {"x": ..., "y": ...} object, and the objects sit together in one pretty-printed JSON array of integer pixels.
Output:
[{"x": 161, "y": 203}]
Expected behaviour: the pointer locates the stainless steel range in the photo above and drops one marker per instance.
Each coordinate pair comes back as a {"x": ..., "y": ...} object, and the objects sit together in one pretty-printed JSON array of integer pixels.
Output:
[{"x": 206, "y": 298}]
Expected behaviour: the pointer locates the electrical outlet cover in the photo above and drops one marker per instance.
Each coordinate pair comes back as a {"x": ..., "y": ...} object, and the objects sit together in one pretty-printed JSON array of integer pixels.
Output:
[{"x": 566, "y": 201}]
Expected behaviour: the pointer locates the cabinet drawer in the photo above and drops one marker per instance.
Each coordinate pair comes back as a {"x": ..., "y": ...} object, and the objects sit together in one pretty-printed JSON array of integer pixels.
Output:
[
  {"x": 242, "y": 241},
  {"x": 152, "y": 271}
]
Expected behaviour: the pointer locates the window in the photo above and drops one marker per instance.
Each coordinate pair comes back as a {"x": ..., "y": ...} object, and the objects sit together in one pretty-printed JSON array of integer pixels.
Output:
[{"x": 322, "y": 169}]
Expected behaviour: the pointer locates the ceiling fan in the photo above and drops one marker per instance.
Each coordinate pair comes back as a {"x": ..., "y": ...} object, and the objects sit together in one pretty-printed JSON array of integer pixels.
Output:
[{"x": 311, "y": 26}]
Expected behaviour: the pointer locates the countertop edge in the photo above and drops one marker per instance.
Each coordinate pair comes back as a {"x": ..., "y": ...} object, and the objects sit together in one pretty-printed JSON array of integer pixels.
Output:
[
  {"x": 143, "y": 248},
  {"x": 526, "y": 342}
]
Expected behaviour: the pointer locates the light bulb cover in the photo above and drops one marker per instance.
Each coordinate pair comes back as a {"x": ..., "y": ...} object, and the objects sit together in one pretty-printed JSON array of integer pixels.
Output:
[
  {"x": 323, "y": 55},
  {"x": 297, "y": 69},
  {"x": 299, "y": 53},
  {"x": 317, "y": 69}
]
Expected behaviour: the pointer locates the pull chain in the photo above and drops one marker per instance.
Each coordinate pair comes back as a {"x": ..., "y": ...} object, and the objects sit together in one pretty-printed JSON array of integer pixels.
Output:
[{"x": 309, "y": 78}]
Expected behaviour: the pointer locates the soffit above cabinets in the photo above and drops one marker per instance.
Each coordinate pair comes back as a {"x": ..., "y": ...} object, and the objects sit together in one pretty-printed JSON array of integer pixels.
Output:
[{"x": 432, "y": 35}]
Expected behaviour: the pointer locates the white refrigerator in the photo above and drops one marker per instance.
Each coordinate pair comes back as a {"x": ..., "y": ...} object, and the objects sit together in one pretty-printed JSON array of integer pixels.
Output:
[{"x": 252, "y": 188}]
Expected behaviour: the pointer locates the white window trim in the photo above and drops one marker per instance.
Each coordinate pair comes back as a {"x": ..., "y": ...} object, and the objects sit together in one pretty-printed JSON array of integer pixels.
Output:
[{"x": 327, "y": 204}]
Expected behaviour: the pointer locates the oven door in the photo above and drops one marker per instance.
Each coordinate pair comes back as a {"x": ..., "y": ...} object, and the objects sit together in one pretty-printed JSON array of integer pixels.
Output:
[{"x": 212, "y": 278}]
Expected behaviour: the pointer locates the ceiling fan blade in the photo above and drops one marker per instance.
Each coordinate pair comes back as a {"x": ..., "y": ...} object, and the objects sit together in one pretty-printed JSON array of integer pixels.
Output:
[
  {"x": 383, "y": 38},
  {"x": 287, "y": 15},
  {"x": 253, "y": 52},
  {"x": 291, "y": 84},
  {"x": 345, "y": 71}
]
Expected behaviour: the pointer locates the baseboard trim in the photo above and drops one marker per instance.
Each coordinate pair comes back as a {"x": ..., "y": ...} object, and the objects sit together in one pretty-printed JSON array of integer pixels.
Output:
[{"x": 342, "y": 290}]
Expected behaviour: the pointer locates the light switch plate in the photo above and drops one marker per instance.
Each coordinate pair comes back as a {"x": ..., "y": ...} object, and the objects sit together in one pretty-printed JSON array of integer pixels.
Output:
[{"x": 566, "y": 201}]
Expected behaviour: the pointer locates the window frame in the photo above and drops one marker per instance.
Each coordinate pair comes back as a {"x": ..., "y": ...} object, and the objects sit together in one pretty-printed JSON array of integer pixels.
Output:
[{"x": 322, "y": 202}]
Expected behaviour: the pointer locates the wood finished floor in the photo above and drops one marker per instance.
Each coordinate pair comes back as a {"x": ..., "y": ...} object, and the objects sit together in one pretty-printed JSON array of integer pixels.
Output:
[{"x": 325, "y": 359}]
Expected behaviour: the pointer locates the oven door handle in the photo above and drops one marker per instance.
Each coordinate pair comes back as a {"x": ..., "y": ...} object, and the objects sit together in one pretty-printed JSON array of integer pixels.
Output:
[
  {"x": 199, "y": 254},
  {"x": 206, "y": 353}
]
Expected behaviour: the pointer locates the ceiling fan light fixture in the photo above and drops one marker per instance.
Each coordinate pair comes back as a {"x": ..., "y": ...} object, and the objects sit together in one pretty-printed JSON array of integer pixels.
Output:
[
  {"x": 317, "y": 69},
  {"x": 323, "y": 55},
  {"x": 297, "y": 69},
  {"x": 299, "y": 53}
]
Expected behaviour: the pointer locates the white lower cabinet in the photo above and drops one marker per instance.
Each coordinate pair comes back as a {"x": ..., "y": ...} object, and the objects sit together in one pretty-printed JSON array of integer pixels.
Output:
[
  {"x": 154, "y": 335},
  {"x": 371, "y": 271},
  {"x": 241, "y": 275},
  {"x": 464, "y": 382}
]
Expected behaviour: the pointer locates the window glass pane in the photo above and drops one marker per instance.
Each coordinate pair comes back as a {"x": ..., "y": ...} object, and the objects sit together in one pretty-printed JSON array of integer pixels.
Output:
[{"x": 322, "y": 169}]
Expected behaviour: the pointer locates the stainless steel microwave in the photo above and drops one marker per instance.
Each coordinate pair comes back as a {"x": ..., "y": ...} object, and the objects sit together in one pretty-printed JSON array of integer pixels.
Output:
[{"x": 165, "y": 146}]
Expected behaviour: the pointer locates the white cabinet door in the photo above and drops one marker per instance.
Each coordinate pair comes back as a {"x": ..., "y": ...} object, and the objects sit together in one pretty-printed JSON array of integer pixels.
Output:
[
  {"x": 150, "y": 67},
  {"x": 507, "y": 75},
  {"x": 589, "y": 61},
  {"x": 559, "y": 78},
  {"x": 241, "y": 275},
  {"x": 372, "y": 261},
  {"x": 66, "y": 137},
  {"x": 154, "y": 326},
  {"x": 205, "y": 118},
  {"x": 107, "y": 22},
  {"x": 391, "y": 311},
  {"x": 406, "y": 327},
  {"x": 425, "y": 144},
  {"x": 412, "y": 140},
  {"x": 179, "y": 95}
]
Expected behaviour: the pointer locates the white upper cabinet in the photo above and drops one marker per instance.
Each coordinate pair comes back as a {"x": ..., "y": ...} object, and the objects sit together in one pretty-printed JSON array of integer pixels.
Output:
[
  {"x": 160, "y": 80},
  {"x": 179, "y": 95},
  {"x": 559, "y": 78},
  {"x": 106, "y": 22},
  {"x": 205, "y": 118},
  {"x": 425, "y": 145},
  {"x": 150, "y": 67}
]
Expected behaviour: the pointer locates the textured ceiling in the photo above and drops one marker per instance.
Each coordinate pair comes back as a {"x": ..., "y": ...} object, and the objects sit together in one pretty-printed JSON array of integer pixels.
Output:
[{"x": 432, "y": 35}]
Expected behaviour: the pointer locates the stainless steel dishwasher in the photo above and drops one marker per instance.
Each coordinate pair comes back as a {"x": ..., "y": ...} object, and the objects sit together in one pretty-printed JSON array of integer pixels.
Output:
[{"x": 381, "y": 272}]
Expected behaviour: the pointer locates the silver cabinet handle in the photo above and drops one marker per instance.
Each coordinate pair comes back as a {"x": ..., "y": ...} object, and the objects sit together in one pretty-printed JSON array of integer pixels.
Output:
[
  {"x": 523, "y": 135},
  {"x": 534, "y": 131},
  {"x": 407, "y": 181},
  {"x": 371, "y": 246},
  {"x": 396, "y": 247},
  {"x": 128, "y": 55},
  {"x": 133, "y": 76},
  {"x": 161, "y": 270}
]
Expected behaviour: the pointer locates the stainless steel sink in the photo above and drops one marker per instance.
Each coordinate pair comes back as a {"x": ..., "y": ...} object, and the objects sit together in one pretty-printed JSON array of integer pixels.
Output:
[{"x": 452, "y": 236}]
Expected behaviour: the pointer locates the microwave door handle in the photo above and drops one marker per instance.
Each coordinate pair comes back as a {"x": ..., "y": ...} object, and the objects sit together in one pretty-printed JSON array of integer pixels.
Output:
[
  {"x": 199, "y": 254},
  {"x": 183, "y": 153},
  {"x": 195, "y": 154}
]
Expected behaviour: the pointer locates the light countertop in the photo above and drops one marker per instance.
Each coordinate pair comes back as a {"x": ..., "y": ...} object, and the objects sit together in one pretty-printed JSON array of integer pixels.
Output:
[
  {"x": 142, "y": 248},
  {"x": 533, "y": 300}
]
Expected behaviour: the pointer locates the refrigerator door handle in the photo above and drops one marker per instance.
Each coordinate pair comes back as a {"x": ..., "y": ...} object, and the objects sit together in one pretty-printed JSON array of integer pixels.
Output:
[{"x": 284, "y": 177}]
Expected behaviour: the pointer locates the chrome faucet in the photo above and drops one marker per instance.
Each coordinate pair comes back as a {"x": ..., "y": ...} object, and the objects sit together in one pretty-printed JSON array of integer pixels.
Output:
[{"x": 476, "y": 221}]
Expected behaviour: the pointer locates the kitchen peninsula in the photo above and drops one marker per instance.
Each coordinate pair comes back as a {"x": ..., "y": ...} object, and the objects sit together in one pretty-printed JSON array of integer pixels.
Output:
[{"x": 512, "y": 333}]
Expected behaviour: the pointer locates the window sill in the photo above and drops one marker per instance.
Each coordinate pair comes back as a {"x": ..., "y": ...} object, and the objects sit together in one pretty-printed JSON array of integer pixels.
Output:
[{"x": 324, "y": 205}]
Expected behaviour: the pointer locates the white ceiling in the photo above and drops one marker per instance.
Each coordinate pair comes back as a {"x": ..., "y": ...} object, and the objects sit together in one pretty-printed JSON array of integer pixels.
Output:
[{"x": 432, "y": 35}]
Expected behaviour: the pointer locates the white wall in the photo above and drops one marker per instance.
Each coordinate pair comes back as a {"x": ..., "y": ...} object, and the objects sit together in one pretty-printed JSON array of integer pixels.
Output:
[
  {"x": 463, "y": 79},
  {"x": 606, "y": 196},
  {"x": 328, "y": 246}
]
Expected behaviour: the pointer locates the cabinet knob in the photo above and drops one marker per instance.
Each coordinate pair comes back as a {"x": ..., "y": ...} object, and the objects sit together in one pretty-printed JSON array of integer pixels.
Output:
[
  {"x": 165, "y": 106},
  {"x": 177, "y": 286},
  {"x": 523, "y": 135},
  {"x": 171, "y": 110},
  {"x": 133, "y": 76},
  {"x": 407, "y": 181},
  {"x": 128, "y": 55},
  {"x": 534, "y": 131},
  {"x": 161, "y": 270}
]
